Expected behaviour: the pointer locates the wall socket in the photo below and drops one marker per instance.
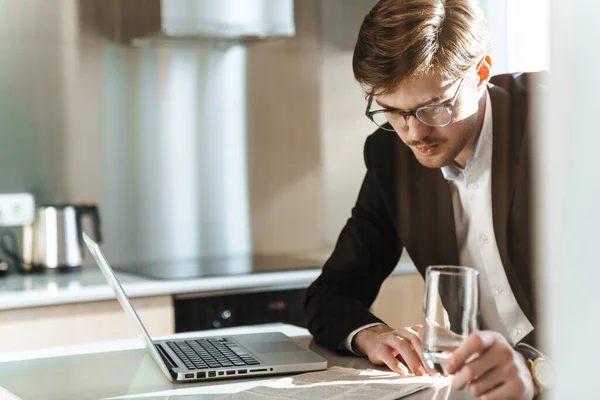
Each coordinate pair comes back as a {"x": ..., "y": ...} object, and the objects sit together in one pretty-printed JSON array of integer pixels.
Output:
[{"x": 16, "y": 209}]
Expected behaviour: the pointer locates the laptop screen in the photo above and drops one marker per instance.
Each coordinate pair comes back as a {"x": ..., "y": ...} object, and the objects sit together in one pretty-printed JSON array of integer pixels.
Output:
[{"x": 122, "y": 298}]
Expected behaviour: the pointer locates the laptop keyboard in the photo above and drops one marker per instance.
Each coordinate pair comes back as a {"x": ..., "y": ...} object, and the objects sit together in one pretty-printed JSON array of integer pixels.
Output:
[{"x": 211, "y": 353}]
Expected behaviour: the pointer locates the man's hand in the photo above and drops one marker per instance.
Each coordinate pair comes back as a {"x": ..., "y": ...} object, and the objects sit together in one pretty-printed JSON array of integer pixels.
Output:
[
  {"x": 398, "y": 349},
  {"x": 498, "y": 372}
]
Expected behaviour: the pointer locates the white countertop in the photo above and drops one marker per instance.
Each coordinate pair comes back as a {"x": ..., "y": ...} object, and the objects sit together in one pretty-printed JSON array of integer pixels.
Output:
[
  {"x": 124, "y": 370},
  {"x": 88, "y": 284},
  {"x": 119, "y": 369}
]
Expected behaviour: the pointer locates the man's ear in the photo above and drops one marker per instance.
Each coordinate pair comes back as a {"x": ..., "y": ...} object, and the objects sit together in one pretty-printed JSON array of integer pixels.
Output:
[{"x": 484, "y": 71}]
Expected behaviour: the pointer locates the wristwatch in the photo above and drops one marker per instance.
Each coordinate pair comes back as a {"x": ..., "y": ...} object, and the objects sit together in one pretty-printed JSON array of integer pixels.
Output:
[{"x": 542, "y": 370}]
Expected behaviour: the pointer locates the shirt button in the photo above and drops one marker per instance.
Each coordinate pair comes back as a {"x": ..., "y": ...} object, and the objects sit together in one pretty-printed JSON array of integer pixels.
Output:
[
  {"x": 484, "y": 239},
  {"x": 517, "y": 333},
  {"x": 473, "y": 186},
  {"x": 499, "y": 291}
]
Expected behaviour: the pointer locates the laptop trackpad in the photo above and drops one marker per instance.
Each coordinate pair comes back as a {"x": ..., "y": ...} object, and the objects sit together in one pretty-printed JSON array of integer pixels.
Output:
[{"x": 274, "y": 347}]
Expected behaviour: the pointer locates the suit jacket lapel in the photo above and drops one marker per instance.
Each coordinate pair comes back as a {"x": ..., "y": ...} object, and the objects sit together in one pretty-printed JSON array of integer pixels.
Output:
[
  {"x": 502, "y": 167},
  {"x": 425, "y": 207},
  {"x": 507, "y": 138}
]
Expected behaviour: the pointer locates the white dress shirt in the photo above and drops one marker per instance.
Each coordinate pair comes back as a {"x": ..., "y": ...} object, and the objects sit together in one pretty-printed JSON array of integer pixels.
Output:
[{"x": 471, "y": 191}]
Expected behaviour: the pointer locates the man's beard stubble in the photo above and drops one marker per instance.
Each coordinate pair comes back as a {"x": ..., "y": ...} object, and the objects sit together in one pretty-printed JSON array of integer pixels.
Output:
[{"x": 467, "y": 130}]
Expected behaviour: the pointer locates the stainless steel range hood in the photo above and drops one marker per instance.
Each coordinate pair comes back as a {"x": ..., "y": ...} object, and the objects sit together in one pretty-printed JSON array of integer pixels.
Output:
[
  {"x": 227, "y": 18},
  {"x": 129, "y": 20}
]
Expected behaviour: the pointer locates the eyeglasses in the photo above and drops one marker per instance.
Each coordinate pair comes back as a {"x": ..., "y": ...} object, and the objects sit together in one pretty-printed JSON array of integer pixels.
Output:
[{"x": 432, "y": 115}]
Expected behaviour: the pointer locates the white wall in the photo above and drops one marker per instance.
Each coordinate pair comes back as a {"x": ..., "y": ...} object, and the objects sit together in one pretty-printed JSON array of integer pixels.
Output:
[
  {"x": 343, "y": 124},
  {"x": 520, "y": 34},
  {"x": 568, "y": 197}
]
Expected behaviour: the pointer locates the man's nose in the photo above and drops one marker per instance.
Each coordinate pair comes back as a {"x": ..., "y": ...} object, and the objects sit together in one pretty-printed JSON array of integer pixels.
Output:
[{"x": 417, "y": 131}]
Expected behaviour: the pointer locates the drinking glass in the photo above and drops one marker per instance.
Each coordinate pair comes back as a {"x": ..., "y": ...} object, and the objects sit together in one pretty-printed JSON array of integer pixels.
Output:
[{"x": 450, "y": 310}]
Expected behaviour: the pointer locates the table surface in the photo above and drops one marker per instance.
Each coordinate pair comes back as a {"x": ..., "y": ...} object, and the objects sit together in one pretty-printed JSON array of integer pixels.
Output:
[{"x": 124, "y": 370}]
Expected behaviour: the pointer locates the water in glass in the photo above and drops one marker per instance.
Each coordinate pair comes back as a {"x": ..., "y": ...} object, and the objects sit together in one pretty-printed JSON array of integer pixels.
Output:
[{"x": 449, "y": 312}]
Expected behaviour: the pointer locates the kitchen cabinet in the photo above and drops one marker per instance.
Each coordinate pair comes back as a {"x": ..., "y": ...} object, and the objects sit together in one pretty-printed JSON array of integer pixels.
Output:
[
  {"x": 79, "y": 323},
  {"x": 194, "y": 312},
  {"x": 400, "y": 300}
]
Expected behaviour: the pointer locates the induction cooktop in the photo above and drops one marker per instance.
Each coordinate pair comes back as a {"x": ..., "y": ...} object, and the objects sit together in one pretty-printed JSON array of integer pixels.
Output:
[{"x": 223, "y": 266}]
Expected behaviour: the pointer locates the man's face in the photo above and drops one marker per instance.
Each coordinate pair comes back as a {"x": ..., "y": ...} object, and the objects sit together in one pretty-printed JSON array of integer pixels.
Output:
[{"x": 435, "y": 147}]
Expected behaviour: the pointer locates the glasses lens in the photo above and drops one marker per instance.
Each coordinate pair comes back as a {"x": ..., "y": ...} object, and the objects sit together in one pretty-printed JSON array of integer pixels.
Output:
[
  {"x": 434, "y": 115},
  {"x": 389, "y": 121}
]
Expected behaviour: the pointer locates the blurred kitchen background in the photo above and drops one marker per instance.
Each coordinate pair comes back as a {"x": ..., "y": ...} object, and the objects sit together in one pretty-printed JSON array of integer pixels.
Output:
[
  {"x": 239, "y": 130},
  {"x": 206, "y": 131},
  {"x": 196, "y": 144},
  {"x": 220, "y": 140}
]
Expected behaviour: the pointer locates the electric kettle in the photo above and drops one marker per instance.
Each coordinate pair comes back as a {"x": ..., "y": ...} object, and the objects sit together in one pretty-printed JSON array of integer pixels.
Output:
[{"x": 54, "y": 239}]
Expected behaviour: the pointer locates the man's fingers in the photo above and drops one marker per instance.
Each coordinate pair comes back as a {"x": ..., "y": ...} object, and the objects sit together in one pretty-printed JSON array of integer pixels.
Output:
[
  {"x": 477, "y": 342},
  {"x": 478, "y": 368},
  {"x": 418, "y": 329},
  {"x": 405, "y": 350},
  {"x": 401, "y": 351},
  {"x": 392, "y": 362},
  {"x": 413, "y": 336},
  {"x": 506, "y": 391},
  {"x": 487, "y": 382}
]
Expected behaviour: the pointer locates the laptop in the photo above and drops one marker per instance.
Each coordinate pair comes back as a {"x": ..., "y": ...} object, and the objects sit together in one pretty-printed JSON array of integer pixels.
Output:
[{"x": 208, "y": 357}]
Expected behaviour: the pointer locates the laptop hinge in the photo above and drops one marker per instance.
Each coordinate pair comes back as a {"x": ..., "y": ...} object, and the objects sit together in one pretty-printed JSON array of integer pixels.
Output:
[{"x": 168, "y": 360}]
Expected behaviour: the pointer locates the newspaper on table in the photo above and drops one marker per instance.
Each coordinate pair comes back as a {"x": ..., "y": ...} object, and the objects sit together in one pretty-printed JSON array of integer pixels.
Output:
[{"x": 338, "y": 383}]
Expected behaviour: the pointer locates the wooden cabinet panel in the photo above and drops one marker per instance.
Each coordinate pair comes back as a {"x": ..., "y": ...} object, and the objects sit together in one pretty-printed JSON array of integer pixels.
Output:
[
  {"x": 71, "y": 324},
  {"x": 400, "y": 300}
]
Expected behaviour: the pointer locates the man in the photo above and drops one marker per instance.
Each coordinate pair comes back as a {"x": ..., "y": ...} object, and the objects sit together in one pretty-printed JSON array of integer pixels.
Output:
[{"x": 448, "y": 180}]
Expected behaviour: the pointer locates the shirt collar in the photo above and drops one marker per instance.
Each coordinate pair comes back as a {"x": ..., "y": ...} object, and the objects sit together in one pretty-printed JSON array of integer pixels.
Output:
[{"x": 482, "y": 149}]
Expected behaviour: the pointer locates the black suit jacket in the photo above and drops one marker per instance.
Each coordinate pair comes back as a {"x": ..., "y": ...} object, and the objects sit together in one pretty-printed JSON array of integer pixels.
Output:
[{"x": 402, "y": 204}]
